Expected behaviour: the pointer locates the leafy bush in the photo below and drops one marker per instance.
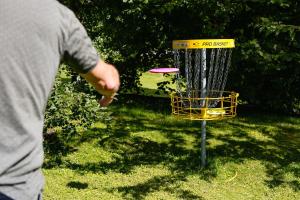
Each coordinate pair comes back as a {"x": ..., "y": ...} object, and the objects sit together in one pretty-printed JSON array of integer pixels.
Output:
[
  {"x": 72, "y": 107},
  {"x": 136, "y": 35},
  {"x": 266, "y": 69}
]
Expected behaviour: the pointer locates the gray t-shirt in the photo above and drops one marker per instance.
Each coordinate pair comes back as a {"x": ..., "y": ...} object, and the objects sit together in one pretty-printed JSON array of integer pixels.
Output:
[{"x": 35, "y": 35}]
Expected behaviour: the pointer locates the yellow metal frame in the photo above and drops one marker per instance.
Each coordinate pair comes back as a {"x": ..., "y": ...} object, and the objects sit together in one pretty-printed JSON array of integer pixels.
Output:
[
  {"x": 203, "y": 44},
  {"x": 189, "y": 107}
]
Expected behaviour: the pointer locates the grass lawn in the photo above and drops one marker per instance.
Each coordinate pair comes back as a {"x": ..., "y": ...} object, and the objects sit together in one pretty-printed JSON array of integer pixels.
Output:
[
  {"x": 144, "y": 153},
  {"x": 149, "y": 83}
]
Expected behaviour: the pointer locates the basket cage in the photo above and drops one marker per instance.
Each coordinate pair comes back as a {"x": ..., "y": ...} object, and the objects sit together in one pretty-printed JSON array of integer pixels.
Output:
[
  {"x": 201, "y": 82},
  {"x": 208, "y": 108}
]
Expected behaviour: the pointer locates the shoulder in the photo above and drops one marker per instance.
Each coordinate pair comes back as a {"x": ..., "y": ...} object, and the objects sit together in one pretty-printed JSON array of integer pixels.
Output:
[{"x": 64, "y": 11}]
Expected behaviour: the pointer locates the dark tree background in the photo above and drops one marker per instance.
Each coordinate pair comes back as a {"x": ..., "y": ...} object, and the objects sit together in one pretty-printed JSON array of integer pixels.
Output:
[{"x": 136, "y": 35}]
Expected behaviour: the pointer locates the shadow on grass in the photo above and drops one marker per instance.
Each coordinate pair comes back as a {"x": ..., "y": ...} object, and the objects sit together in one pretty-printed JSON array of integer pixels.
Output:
[
  {"x": 277, "y": 147},
  {"x": 55, "y": 148},
  {"x": 77, "y": 185},
  {"x": 157, "y": 183}
]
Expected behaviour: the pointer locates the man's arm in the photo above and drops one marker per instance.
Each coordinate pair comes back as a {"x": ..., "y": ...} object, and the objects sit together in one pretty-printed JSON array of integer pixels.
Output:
[{"x": 105, "y": 78}]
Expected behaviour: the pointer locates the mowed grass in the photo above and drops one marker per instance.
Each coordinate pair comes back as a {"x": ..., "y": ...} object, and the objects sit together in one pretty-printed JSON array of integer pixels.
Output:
[
  {"x": 144, "y": 153},
  {"x": 149, "y": 83}
]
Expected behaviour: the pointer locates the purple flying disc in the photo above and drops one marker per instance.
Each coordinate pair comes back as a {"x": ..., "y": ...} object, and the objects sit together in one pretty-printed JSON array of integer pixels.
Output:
[{"x": 164, "y": 70}]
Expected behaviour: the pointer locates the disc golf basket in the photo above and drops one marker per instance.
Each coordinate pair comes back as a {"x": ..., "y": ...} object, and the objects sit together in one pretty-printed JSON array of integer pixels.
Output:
[{"x": 201, "y": 77}]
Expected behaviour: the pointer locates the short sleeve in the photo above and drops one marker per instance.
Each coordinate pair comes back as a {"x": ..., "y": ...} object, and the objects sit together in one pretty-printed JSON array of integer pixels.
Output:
[{"x": 78, "y": 51}]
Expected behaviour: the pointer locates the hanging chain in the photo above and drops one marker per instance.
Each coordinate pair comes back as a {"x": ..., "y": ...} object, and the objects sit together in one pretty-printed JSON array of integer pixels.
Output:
[
  {"x": 188, "y": 71},
  {"x": 203, "y": 77},
  {"x": 178, "y": 76},
  {"x": 221, "y": 70},
  {"x": 186, "y": 68},
  {"x": 211, "y": 69},
  {"x": 216, "y": 68},
  {"x": 212, "y": 78},
  {"x": 226, "y": 70},
  {"x": 197, "y": 69}
]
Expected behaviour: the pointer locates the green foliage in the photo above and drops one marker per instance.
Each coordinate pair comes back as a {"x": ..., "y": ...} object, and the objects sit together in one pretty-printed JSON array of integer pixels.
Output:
[
  {"x": 136, "y": 35},
  {"x": 71, "y": 109},
  {"x": 266, "y": 68}
]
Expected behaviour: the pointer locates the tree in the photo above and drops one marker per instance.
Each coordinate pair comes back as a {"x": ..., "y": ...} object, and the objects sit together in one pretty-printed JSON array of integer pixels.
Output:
[{"x": 136, "y": 35}]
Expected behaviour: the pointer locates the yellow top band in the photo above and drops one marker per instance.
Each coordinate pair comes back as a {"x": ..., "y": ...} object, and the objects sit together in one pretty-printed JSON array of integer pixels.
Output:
[{"x": 203, "y": 44}]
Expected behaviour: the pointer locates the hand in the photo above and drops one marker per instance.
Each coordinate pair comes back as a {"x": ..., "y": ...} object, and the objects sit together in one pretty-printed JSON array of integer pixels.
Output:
[
  {"x": 106, "y": 100},
  {"x": 106, "y": 80}
]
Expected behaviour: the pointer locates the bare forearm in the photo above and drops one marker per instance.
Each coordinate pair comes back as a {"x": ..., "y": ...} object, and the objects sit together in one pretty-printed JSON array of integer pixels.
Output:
[{"x": 105, "y": 78}]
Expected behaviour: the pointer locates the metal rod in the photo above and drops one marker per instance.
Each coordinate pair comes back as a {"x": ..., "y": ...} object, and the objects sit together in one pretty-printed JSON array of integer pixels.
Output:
[
  {"x": 203, "y": 143},
  {"x": 203, "y": 95}
]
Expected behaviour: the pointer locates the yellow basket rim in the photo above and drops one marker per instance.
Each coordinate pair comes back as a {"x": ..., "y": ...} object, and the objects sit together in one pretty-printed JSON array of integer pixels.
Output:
[
  {"x": 226, "y": 94},
  {"x": 203, "y": 44}
]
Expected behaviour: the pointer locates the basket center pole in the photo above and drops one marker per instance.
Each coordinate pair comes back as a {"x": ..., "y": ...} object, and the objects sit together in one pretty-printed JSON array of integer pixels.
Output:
[{"x": 203, "y": 104}]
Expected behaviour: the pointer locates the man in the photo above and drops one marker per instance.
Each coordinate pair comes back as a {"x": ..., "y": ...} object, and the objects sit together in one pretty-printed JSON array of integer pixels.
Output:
[{"x": 34, "y": 36}]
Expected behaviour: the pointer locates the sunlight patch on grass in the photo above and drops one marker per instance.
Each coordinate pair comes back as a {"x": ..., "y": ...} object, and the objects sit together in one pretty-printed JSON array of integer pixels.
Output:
[
  {"x": 88, "y": 186},
  {"x": 213, "y": 143},
  {"x": 186, "y": 141},
  {"x": 218, "y": 131},
  {"x": 132, "y": 112},
  {"x": 91, "y": 153},
  {"x": 95, "y": 186},
  {"x": 151, "y": 135},
  {"x": 258, "y": 135},
  {"x": 161, "y": 195},
  {"x": 147, "y": 154},
  {"x": 236, "y": 181},
  {"x": 150, "y": 80},
  {"x": 149, "y": 83}
]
